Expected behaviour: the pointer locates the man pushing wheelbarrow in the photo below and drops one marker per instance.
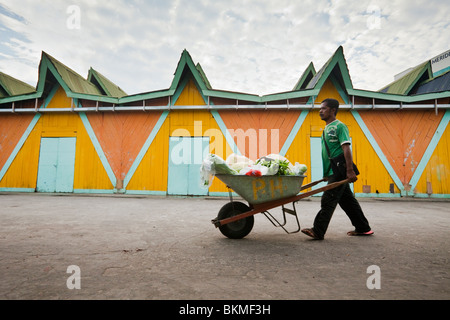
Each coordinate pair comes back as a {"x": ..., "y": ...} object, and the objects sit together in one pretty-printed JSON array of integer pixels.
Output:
[{"x": 337, "y": 165}]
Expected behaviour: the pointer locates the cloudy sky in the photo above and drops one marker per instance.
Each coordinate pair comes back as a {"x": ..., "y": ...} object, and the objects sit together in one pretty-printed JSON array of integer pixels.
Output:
[{"x": 257, "y": 47}]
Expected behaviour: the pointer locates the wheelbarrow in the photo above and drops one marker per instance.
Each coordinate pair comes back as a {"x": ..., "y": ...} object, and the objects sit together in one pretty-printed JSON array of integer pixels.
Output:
[{"x": 235, "y": 219}]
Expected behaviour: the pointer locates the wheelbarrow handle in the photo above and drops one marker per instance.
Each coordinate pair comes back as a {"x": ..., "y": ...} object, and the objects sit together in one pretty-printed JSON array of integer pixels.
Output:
[{"x": 312, "y": 184}]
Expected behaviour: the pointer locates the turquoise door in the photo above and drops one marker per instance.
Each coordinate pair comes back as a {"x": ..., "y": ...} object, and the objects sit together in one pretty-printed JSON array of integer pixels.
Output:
[
  {"x": 56, "y": 165},
  {"x": 186, "y": 155}
]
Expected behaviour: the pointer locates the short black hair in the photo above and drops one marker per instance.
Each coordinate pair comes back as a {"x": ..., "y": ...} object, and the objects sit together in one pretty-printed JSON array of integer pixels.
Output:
[{"x": 332, "y": 104}]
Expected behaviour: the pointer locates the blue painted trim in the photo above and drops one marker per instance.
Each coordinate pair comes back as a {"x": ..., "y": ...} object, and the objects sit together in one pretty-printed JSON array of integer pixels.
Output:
[
  {"x": 298, "y": 124},
  {"x": 50, "y": 97},
  {"x": 378, "y": 151},
  {"x": 440, "y": 72},
  {"x": 19, "y": 145},
  {"x": 430, "y": 149},
  {"x": 98, "y": 148},
  {"x": 339, "y": 89},
  {"x": 225, "y": 132},
  {"x": 145, "y": 147},
  {"x": 146, "y": 192},
  {"x": 431, "y": 196},
  {"x": 17, "y": 190},
  {"x": 94, "y": 191},
  {"x": 223, "y": 194},
  {"x": 378, "y": 195}
]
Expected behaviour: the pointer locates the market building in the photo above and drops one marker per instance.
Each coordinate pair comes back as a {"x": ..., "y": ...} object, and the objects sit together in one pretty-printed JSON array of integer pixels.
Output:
[{"x": 86, "y": 135}]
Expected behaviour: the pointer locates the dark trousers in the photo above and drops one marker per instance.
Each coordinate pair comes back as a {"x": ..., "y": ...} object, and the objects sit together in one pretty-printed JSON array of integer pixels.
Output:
[{"x": 343, "y": 196}]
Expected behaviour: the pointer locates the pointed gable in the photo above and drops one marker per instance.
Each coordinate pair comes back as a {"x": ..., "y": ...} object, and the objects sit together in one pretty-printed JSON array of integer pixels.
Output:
[
  {"x": 186, "y": 63},
  {"x": 305, "y": 78},
  {"x": 106, "y": 86},
  {"x": 336, "y": 66},
  {"x": 71, "y": 81},
  {"x": 409, "y": 81}
]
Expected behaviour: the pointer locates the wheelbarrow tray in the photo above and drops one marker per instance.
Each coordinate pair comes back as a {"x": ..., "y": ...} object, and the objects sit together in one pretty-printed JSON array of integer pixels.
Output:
[
  {"x": 264, "y": 206},
  {"x": 258, "y": 190}
]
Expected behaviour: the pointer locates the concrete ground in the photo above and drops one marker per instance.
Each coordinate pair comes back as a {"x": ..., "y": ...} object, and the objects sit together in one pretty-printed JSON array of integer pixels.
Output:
[{"x": 165, "y": 248}]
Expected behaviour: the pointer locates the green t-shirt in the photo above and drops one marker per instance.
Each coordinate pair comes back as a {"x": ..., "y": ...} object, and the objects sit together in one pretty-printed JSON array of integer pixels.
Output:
[{"x": 336, "y": 134}]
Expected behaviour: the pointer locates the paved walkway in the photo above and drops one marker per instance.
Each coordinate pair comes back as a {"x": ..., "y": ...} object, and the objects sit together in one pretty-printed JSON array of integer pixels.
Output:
[{"x": 126, "y": 247}]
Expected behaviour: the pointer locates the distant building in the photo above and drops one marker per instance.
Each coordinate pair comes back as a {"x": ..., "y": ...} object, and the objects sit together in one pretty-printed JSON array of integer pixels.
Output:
[{"x": 71, "y": 134}]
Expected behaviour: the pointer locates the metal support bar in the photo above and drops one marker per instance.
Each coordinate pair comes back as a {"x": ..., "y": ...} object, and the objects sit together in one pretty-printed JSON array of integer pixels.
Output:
[{"x": 276, "y": 223}]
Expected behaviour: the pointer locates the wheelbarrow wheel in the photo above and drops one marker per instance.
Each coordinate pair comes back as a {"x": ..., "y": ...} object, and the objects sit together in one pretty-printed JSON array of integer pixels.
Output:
[{"x": 237, "y": 229}]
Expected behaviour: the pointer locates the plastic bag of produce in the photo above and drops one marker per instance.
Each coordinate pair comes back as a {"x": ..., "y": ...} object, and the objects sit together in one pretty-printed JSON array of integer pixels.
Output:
[
  {"x": 281, "y": 166},
  {"x": 238, "y": 162},
  {"x": 211, "y": 166}
]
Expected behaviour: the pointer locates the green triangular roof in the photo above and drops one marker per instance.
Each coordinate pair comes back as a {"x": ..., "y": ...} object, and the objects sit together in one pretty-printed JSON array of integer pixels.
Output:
[
  {"x": 66, "y": 77},
  {"x": 405, "y": 84},
  {"x": 336, "y": 61},
  {"x": 109, "y": 88},
  {"x": 305, "y": 78},
  {"x": 203, "y": 75},
  {"x": 10, "y": 86},
  {"x": 197, "y": 72}
]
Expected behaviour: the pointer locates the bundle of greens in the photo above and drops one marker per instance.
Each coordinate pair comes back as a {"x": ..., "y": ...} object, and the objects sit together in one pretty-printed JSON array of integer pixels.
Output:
[{"x": 284, "y": 167}]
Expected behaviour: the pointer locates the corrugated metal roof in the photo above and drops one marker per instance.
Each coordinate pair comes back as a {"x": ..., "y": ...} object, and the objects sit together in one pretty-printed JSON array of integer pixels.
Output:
[
  {"x": 13, "y": 87},
  {"x": 110, "y": 89},
  {"x": 439, "y": 84},
  {"x": 405, "y": 84},
  {"x": 73, "y": 80}
]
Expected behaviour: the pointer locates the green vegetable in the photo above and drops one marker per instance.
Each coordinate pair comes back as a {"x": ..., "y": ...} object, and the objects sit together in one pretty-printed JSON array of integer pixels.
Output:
[{"x": 283, "y": 165}]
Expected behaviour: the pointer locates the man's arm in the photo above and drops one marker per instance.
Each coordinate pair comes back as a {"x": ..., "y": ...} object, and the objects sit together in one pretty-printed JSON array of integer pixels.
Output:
[{"x": 349, "y": 162}]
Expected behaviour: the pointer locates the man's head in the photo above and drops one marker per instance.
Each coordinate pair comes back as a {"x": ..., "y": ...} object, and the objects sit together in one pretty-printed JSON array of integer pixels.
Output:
[
  {"x": 332, "y": 104},
  {"x": 328, "y": 109}
]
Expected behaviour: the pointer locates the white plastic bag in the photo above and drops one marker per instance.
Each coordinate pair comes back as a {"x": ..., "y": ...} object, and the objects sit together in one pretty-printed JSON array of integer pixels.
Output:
[{"x": 211, "y": 166}]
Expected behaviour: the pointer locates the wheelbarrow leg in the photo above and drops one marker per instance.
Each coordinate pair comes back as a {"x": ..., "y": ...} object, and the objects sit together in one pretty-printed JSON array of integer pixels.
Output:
[{"x": 285, "y": 210}]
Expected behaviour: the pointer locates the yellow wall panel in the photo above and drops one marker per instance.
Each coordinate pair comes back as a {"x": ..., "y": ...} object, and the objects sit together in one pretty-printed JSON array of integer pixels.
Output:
[
  {"x": 60, "y": 99},
  {"x": 151, "y": 174},
  {"x": 328, "y": 90},
  {"x": 436, "y": 177},
  {"x": 22, "y": 172},
  {"x": 89, "y": 170}
]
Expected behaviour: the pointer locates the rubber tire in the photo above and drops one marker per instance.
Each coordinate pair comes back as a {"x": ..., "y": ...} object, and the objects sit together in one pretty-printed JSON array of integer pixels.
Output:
[{"x": 237, "y": 229}]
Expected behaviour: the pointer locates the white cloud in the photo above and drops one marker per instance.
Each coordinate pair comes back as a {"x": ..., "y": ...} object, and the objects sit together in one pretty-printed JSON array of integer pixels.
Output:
[{"x": 248, "y": 46}]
